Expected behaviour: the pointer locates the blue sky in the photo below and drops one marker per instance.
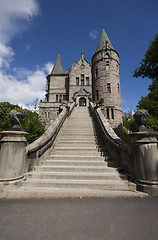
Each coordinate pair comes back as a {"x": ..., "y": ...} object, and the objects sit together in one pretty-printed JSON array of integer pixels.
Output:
[{"x": 33, "y": 31}]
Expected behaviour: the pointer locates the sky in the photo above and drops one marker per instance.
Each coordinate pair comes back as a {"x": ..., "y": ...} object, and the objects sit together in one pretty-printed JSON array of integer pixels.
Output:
[{"x": 32, "y": 33}]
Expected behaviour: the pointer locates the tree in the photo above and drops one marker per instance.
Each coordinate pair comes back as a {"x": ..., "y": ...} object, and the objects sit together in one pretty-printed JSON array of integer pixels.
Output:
[
  {"x": 149, "y": 64},
  {"x": 128, "y": 121},
  {"x": 5, "y": 108},
  {"x": 149, "y": 68},
  {"x": 31, "y": 122}
]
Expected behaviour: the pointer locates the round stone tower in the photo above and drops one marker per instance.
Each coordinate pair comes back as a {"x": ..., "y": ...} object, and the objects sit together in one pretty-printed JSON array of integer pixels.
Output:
[{"x": 106, "y": 81}]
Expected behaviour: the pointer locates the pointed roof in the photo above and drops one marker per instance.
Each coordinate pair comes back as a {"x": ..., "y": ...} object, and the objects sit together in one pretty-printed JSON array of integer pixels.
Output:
[
  {"x": 58, "y": 67},
  {"x": 103, "y": 41}
]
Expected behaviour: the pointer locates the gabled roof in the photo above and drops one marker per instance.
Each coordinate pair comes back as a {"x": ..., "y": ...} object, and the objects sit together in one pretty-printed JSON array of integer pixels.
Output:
[
  {"x": 103, "y": 41},
  {"x": 82, "y": 92},
  {"x": 58, "y": 67}
]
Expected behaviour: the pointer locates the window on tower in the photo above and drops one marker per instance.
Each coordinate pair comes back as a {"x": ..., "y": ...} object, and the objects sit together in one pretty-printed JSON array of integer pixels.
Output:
[
  {"x": 112, "y": 113},
  {"x": 108, "y": 87},
  {"x": 107, "y": 112},
  {"x": 96, "y": 72},
  {"x": 97, "y": 95},
  {"x": 107, "y": 65},
  {"x": 118, "y": 86},
  {"x": 57, "y": 98},
  {"x": 82, "y": 79}
]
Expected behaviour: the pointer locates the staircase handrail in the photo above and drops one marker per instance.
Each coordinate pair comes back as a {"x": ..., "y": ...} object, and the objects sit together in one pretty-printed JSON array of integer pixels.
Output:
[
  {"x": 51, "y": 131},
  {"x": 119, "y": 148}
]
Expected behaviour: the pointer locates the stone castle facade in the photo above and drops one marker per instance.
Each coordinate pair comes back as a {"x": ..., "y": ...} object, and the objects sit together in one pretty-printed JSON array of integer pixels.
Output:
[{"x": 84, "y": 82}]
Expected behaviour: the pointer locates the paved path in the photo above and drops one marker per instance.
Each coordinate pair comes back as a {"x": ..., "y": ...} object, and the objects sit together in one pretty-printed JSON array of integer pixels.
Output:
[{"x": 79, "y": 219}]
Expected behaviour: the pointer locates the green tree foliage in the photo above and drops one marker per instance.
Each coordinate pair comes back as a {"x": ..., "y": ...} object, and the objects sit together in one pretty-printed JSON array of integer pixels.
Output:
[
  {"x": 32, "y": 125},
  {"x": 31, "y": 122},
  {"x": 128, "y": 121},
  {"x": 149, "y": 64},
  {"x": 5, "y": 108},
  {"x": 149, "y": 68}
]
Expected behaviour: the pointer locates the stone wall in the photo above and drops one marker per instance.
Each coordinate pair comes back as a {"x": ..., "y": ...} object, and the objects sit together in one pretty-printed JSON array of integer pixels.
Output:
[
  {"x": 78, "y": 69},
  {"x": 106, "y": 84},
  {"x": 57, "y": 86}
]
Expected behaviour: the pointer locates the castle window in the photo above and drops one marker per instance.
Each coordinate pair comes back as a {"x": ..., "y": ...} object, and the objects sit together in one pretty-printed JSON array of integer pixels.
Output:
[
  {"x": 118, "y": 86},
  {"x": 87, "y": 81},
  {"x": 47, "y": 98},
  {"x": 112, "y": 113},
  {"x": 107, "y": 65},
  {"x": 107, "y": 55},
  {"x": 107, "y": 112},
  {"x": 77, "y": 81},
  {"x": 96, "y": 72},
  {"x": 56, "y": 98},
  {"x": 60, "y": 99},
  {"x": 108, "y": 88},
  {"x": 82, "y": 79},
  {"x": 64, "y": 97},
  {"x": 97, "y": 95},
  {"x": 48, "y": 115}
]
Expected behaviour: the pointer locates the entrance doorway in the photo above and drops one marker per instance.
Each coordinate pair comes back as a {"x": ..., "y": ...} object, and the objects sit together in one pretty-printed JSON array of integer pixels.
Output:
[{"x": 82, "y": 102}]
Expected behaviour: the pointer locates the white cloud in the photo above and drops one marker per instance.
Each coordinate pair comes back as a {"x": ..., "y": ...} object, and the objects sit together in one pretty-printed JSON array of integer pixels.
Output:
[
  {"x": 13, "y": 15},
  {"x": 24, "y": 85},
  {"x": 6, "y": 55},
  {"x": 12, "y": 12},
  {"x": 94, "y": 34},
  {"x": 27, "y": 47},
  {"x": 24, "y": 92}
]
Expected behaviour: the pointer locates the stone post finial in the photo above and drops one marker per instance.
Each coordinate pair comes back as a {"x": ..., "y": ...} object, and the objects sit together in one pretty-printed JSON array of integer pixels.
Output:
[{"x": 82, "y": 54}]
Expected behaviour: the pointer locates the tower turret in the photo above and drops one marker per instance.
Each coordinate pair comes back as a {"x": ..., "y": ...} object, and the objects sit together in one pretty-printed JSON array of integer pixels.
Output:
[{"x": 106, "y": 81}]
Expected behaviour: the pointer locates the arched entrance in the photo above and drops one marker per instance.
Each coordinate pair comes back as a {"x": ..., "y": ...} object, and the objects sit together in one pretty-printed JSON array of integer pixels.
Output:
[{"x": 82, "y": 102}]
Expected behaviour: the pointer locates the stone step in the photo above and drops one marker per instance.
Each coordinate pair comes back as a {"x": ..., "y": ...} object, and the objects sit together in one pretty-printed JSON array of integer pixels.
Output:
[
  {"x": 75, "y": 153},
  {"x": 67, "y": 141},
  {"x": 39, "y": 192},
  {"x": 88, "y": 184},
  {"x": 75, "y": 144},
  {"x": 73, "y": 163},
  {"x": 98, "y": 169},
  {"x": 76, "y": 175},
  {"x": 77, "y": 137},
  {"x": 76, "y": 157}
]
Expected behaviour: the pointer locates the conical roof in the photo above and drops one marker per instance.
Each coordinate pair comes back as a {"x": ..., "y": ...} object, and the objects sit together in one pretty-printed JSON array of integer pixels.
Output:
[
  {"x": 103, "y": 40},
  {"x": 58, "y": 67}
]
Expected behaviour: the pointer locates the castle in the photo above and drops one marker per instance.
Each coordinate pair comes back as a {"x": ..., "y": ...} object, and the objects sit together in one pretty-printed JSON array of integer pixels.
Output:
[{"x": 84, "y": 82}]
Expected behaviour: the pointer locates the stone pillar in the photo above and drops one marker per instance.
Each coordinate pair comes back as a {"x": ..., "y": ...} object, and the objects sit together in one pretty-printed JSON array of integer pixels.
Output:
[
  {"x": 145, "y": 161},
  {"x": 12, "y": 155}
]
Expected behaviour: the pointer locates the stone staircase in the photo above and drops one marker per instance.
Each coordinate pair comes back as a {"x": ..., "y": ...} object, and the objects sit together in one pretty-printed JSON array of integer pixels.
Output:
[{"x": 79, "y": 165}]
